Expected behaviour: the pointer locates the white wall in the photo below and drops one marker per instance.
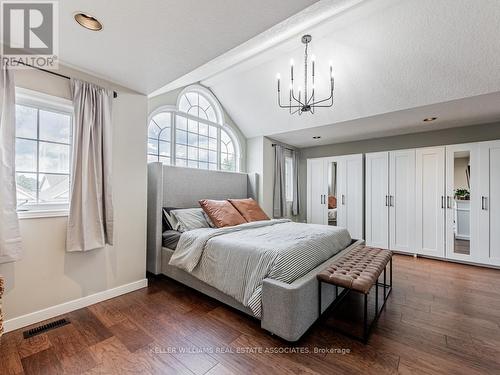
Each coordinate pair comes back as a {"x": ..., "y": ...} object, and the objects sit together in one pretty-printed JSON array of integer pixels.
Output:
[
  {"x": 260, "y": 160},
  {"x": 47, "y": 275}
]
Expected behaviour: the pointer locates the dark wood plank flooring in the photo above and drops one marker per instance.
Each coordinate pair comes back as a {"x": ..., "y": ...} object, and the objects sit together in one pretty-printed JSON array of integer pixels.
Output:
[{"x": 441, "y": 318}]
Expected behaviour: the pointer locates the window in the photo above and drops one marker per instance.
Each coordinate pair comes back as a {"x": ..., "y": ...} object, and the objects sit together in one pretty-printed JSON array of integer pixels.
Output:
[
  {"x": 289, "y": 178},
  {"x": 192, "y": 134},
  {"x": 227, "y": 153},
  {"x": 43, "y": 152},
  {"x": 159, "y": 138},
  {"x": 195, "y": 144}
]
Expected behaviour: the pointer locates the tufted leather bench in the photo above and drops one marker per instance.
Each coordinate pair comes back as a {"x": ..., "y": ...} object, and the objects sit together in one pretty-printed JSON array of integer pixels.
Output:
[{"x": 359, "y": 270}]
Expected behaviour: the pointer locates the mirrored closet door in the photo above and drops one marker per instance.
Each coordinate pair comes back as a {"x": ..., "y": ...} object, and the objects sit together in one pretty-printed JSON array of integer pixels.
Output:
[
  {"x": 332, "y": 168},
  {"x": 335, "y": 192},
  {"x": 462, "y": 202}
]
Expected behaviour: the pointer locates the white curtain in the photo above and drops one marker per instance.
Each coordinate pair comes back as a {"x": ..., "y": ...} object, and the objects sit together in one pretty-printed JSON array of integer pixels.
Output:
[
  {"x": 279, "y": 189},
  {"x": 90, "y": 223},
  {"x": 10, "y": 239},
  {"x": 296, "y": 184}
]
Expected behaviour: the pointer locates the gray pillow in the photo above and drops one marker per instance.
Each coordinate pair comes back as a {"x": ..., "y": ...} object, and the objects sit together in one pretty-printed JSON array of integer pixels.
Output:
[{"x": 189, "y": 219}]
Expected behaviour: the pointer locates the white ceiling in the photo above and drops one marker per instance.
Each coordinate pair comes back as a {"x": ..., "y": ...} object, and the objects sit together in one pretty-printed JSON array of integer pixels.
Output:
[
  {"x": 146, "y": 44},
  {"x": 395, "y": 62}
]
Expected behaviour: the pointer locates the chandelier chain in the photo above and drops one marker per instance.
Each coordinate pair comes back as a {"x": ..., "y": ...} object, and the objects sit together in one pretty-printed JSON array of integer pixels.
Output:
[{"x": 305, "y": 75}]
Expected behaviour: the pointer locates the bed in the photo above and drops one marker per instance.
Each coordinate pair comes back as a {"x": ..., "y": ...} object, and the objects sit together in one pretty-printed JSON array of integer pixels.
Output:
[{"x": 283, "y": 298}]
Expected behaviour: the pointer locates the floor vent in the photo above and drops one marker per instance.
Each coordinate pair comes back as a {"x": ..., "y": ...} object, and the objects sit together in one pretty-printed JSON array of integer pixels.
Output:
[{"x": 44, "y": 328}]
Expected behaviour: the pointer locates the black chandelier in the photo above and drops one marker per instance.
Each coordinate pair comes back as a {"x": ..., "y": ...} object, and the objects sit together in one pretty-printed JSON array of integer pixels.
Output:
[{"x": 296, "y": 103}]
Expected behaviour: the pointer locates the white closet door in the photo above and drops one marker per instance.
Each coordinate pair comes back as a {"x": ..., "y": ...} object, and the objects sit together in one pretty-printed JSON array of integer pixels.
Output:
[
  {"x": 462, "y": 216},
  {"x": 430, "y": 201},
  {"x": 317, "y": 192},
  {"x": 490, "y": 203},
  {"x": 402, "y": 200},
  {"x": 341, "y": 193},
  {"x": 353, "y": 195},
  {"x": 377, "y": 199}
]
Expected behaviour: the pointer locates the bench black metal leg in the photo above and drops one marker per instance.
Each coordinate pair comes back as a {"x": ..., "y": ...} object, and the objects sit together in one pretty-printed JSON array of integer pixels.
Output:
[
  {"x": 365, "y": 320},
  {"x": 376, "y": 295},
  {"x": 385, "y": 282},
  {"x": 390, "y": 266},
  {"x": 319, "y": 299}
]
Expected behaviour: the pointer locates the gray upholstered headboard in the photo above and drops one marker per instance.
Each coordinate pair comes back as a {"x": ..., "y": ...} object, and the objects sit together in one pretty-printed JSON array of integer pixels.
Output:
[{"x": 170, "y": 186}]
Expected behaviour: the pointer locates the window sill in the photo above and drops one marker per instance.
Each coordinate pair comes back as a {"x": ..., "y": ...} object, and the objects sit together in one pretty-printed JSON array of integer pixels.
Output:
[{"x": 38, "y": 214}]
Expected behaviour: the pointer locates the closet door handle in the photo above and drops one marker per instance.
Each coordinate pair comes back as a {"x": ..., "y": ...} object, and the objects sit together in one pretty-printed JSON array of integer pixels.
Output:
[
  {"x": 483, "y": 204},
  {"x": 442, "y": 202},
  {"x": 448, "y": 201},
  {"x": 387, "y": 201},
  {"x": 343, "y": 200},
  {"x": 321, "y": 199},
  {"x": 391, "y": 200}
]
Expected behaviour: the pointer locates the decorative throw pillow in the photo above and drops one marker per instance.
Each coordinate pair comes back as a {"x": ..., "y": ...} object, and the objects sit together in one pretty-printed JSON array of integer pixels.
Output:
[
  {"x": 332, "y": 202},
  {"x": 168, "y": 221},
  {"x": 189, "y": 219},
  {"x": 209, "y": 221},
  {"x": 249, "y": 209},
  {"x": 222, "y": 213}
]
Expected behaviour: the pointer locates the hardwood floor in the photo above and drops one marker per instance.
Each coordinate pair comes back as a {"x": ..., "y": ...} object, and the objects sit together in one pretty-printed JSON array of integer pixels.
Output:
[
  {"x": 462, "y": 247},
  {"x": 441, "y": 318}
]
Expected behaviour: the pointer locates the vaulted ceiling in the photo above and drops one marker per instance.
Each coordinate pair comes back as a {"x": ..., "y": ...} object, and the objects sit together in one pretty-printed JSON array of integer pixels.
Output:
[
  {"x": 395, "y": 62},
  {"x": 147, "y": 44},
  {"x": 390, "y": 58}
]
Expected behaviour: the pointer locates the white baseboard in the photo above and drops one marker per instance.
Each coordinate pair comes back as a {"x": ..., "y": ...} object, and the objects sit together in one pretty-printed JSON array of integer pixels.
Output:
[{"x": 63, "y": 308}]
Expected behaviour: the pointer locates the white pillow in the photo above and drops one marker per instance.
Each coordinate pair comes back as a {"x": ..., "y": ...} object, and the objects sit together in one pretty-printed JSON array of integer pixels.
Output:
[{"x": 189, "y": 219}]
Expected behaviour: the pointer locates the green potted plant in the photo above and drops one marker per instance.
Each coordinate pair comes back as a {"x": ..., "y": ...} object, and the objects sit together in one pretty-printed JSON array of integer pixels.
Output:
[{"x": 462, "y": 194}]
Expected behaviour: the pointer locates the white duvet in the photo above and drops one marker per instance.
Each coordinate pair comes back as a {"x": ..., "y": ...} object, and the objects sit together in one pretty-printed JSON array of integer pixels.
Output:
[{"x": 235, "y": 260}]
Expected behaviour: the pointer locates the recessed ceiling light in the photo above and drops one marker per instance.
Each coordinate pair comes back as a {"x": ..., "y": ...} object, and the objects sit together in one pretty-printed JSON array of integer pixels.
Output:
[
  {"x": 316, "y": 137},
  {"x": 429, "y": 119},
  {"x": 88, "y": 21}
]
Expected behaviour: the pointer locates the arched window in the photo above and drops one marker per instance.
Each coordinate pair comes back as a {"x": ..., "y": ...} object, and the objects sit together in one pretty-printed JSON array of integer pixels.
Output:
[
  {"x": 159, "y": 138},
  {"x": 193, "y": 134},
  {"x": 227, "y": 152}
]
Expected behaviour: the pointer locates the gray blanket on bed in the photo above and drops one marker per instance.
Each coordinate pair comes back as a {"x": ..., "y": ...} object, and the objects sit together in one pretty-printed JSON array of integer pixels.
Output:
[{"x": 236, "y": 260}]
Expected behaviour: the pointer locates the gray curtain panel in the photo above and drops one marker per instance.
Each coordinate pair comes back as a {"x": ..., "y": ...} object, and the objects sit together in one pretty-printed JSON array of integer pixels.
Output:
[
  {"x": 279, "y": 192},
  {"x": 295, "y": 203},
  {"x": 90, "y": 223},
  {"x": 10, "y": 238}
]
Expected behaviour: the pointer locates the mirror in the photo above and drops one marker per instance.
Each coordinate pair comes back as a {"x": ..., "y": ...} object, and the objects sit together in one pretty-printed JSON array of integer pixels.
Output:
[
  {"x": 461, "y": 203},
  {"x": 332, "y": 193}
]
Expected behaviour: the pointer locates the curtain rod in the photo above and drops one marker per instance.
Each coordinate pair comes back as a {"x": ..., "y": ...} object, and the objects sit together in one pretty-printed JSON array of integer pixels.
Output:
[
  {"x": 115, "y": 94},
  {"x": 286, "y": 148}
]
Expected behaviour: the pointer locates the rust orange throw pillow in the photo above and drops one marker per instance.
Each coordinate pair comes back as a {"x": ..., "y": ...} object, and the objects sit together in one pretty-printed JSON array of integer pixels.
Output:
[
  {"x": 249, "y": 209},
  {"x": 222, "y": 213}
]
